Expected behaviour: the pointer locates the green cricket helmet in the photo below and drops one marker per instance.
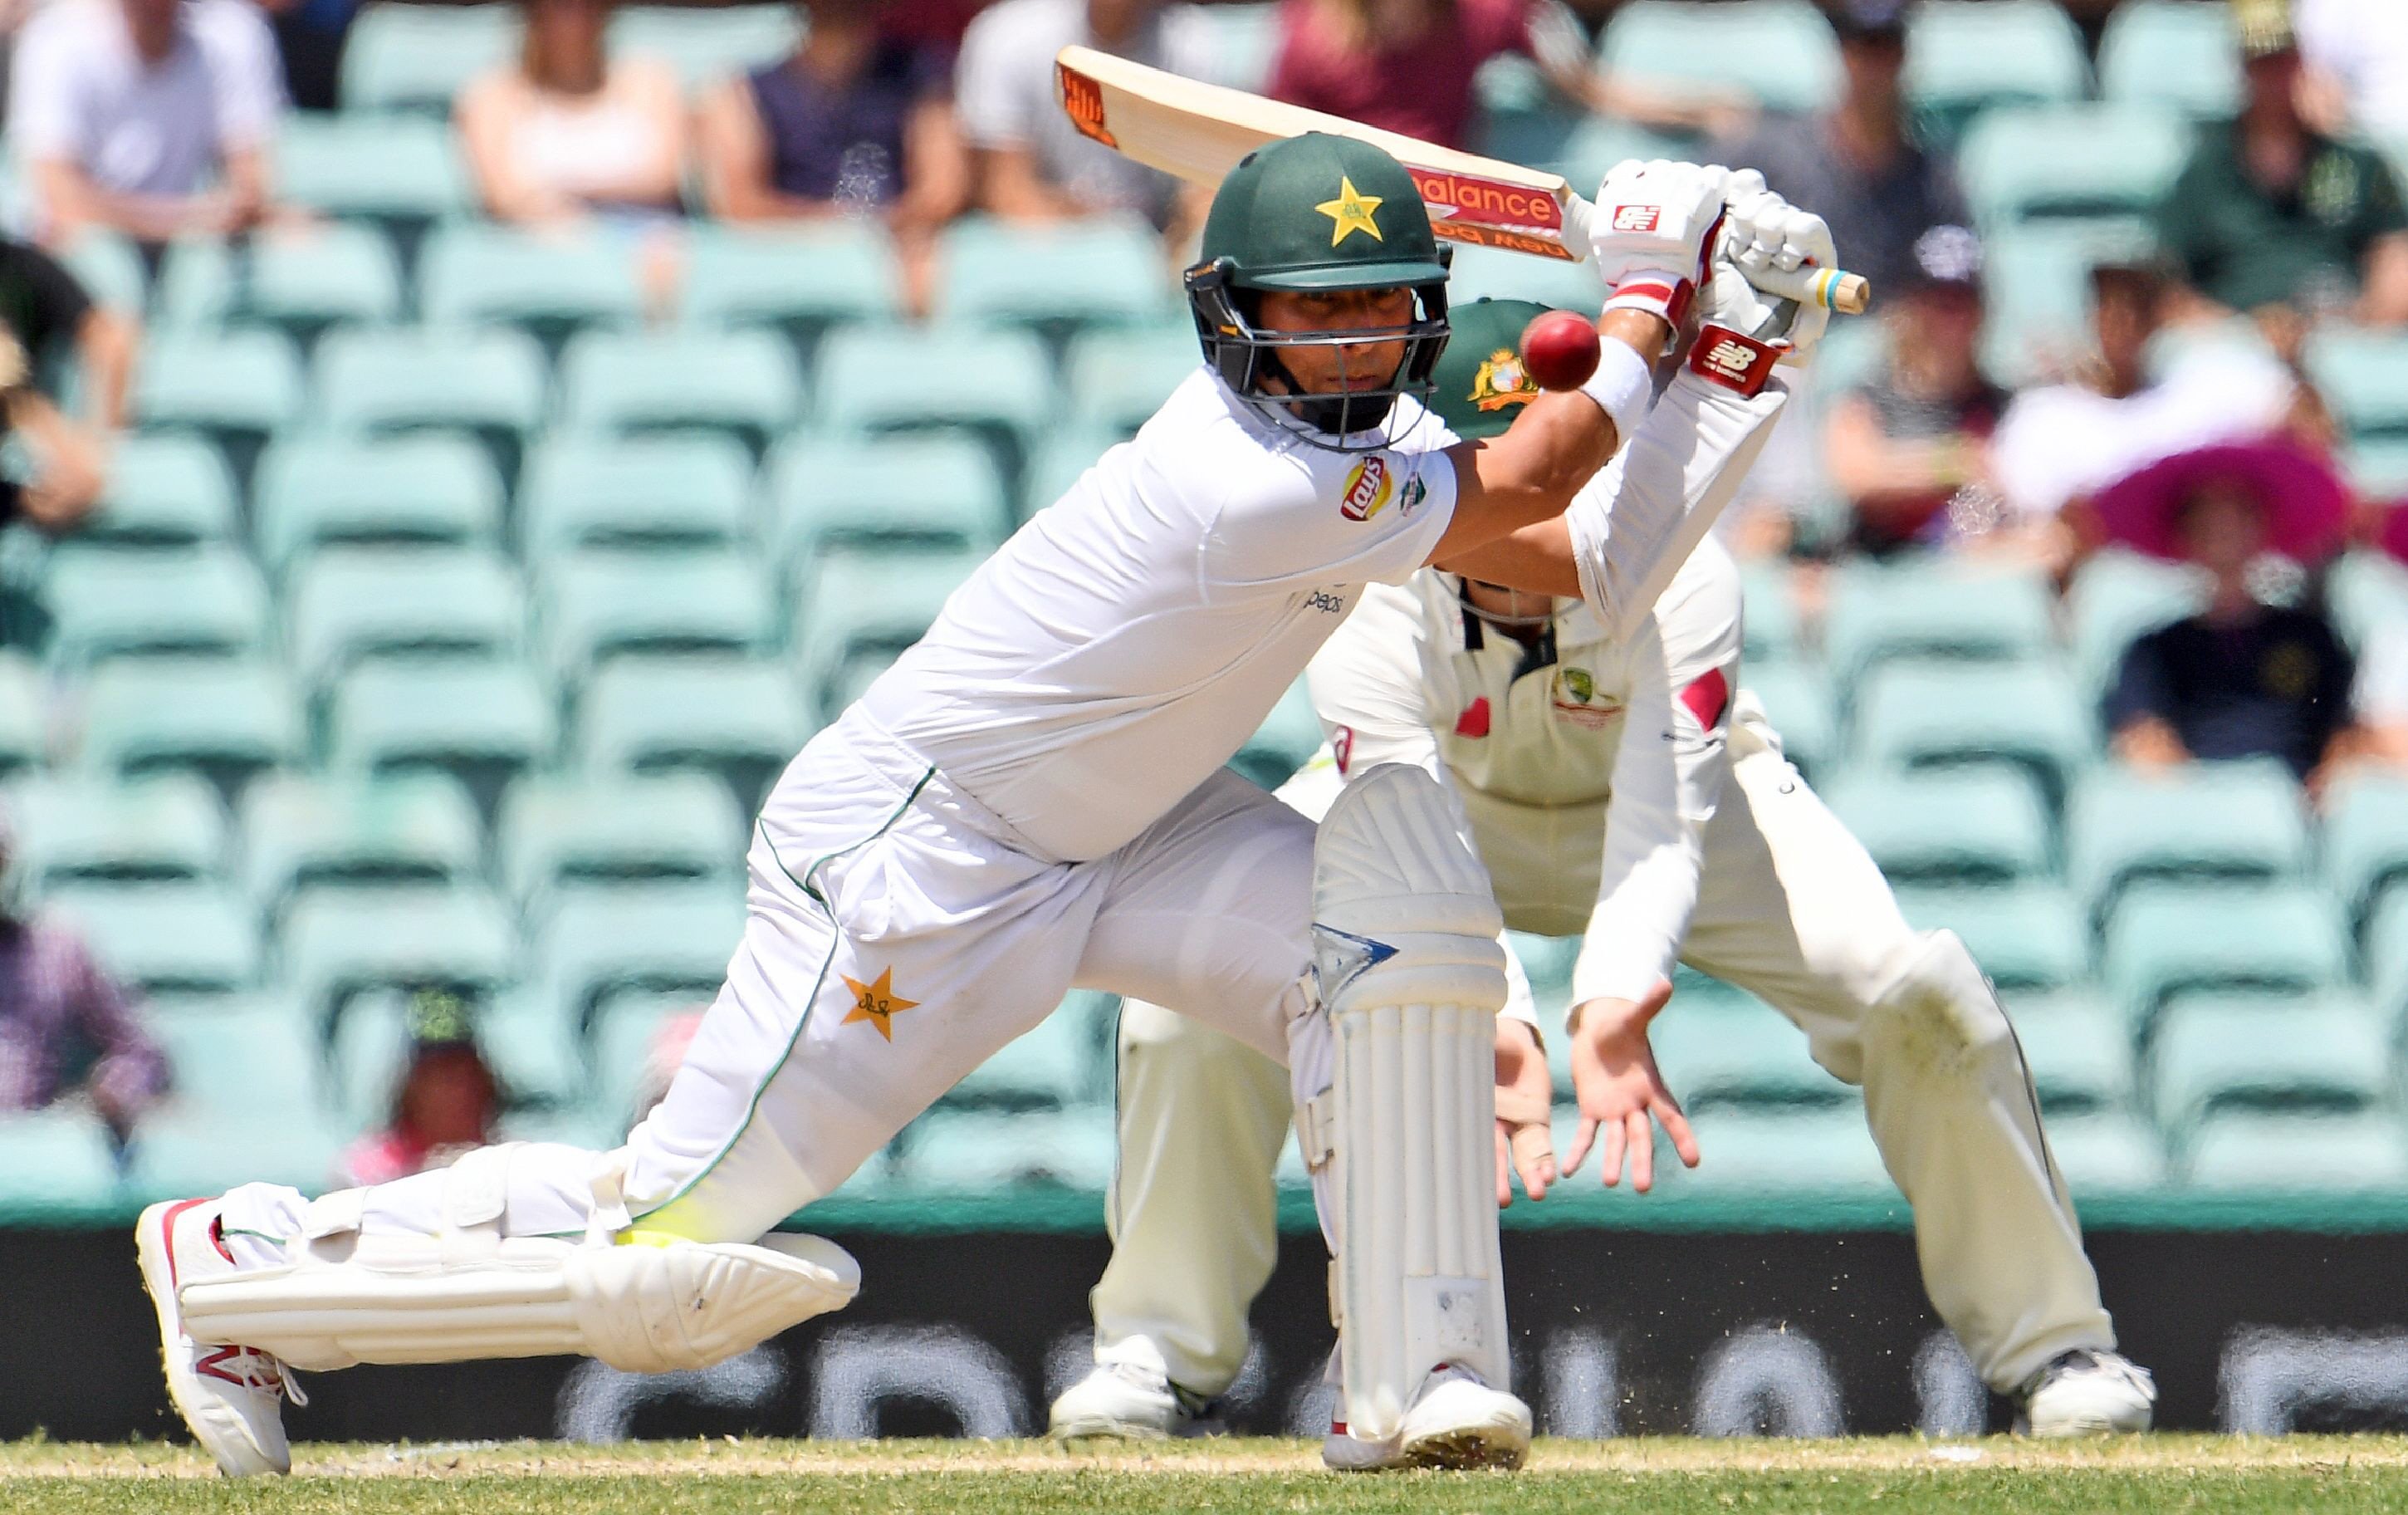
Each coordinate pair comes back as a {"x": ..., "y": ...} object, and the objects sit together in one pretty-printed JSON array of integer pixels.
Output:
[
  {"x": 1482, "y": 385},
  {"x": 1307, "y": 214}
]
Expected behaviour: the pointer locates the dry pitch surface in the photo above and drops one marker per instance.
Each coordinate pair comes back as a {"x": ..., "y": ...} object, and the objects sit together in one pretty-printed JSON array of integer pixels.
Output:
[{"x": 932, "y": 1477}]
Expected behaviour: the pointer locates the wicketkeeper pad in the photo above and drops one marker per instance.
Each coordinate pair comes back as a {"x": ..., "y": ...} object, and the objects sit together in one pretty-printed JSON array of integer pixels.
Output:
[{"x": 1411, "y": 976}]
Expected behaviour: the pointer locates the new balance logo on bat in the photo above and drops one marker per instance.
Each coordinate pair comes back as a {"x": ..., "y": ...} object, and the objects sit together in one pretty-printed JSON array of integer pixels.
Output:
[{"x": 1637, "y": 218}]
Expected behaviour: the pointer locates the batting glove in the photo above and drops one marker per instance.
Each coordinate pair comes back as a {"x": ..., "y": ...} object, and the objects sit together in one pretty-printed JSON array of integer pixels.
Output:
[{"x": 1654, "y": 227}]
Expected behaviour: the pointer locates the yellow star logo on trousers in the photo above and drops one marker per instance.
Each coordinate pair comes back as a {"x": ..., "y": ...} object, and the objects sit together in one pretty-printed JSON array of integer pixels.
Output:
[
  {"x": 876, "y": 1003},
  {"x": 1350, "y": 213}
]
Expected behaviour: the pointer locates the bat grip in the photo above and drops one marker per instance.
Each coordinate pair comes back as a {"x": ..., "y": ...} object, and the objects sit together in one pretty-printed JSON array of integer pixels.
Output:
[{"x": 1833, "y": 289}]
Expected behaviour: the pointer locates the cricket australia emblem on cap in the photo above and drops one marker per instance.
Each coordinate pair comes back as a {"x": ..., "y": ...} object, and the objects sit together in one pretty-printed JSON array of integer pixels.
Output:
[
  {"x": 1367, "y": 487},
  {"x": 1502, "y": 381}
]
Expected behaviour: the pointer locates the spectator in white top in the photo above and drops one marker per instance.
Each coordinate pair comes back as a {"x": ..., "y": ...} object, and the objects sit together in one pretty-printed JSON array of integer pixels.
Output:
[
  {"x": 1029, "y": 162},
  {"x": 2356, "y": 58},
  {"x": 568, "y": 133},
  {"x": 148, "y": 117}
]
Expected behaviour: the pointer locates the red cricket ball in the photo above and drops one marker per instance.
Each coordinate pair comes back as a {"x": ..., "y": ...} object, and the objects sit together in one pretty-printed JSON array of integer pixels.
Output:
[{"x": 1559, "y": 349}]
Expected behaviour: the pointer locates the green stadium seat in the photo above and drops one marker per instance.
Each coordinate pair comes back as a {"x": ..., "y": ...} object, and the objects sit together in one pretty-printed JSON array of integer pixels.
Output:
[
  {"x": 1098, "y": 273},
  {"x": 181, "y": 1152},
  {"x": 533, "y": 1056},
  {"x": 605, "y": 604},
  {"x": 1969, "y": 826},
  {"x": 109, "y": 268},
  {"x": 737, "y": 718},
  {"x": 2366, "y": 592},
  {"x": 1798, "y": 700},
  {"x": 449, "y": 712},
  {"x": 1051, "y": 1066},
  {"x": 489, "y": 382},
  {"x": 225, "y": 718},
  {"x": 690, "y": 489},
  {"x": 340, "y": 943},
  {"x": 110, "y": 604},
  {"x": 2387, "y": 948},
  {"x": 651, "y": 938},
  {"x": 349, "y": 605},
  {"x": 838, "y": 493},
  {"x": 300, "y": 280},
  {"x": 241, "y": 386},
  {"x": 908, "y": 378},
  {"x": 802, "y": 279},
  {"x": 1771, "y": 623},
  {"x": 24, "y": 714},
  {"x": 2115, "y": 160},
  {"x": 2269, "y": 1053},
  {"x": 164, "y": 491},
  {"x": 2215, "y": 820},
  {"x": 419, "y": 58},
  {"x": 1779, "y": 52},
  {"x": 745, "y": 383},
  {"x": 2377, "y": 468},
  {"x": 2166, "y": 939},
  {"x": 1286, "y": 740},
  {"x": 1964, "y": 57},
  {"x": 2365, "y": 838},
  {"x": 308, "y": 832},
  {"x": 397, "y": 171},
  {"x": 243, "y": 1059},
  {"x": 2030, "y": 936},
  {"x": 706, "y": 45},
  {"x": 1937, "y": 611},
  {"x": 2036, "y": 292},
  {"x": 1061, "y": 460},
  {"x": 563, "y": 832},
  {"x": 188, "y": 938},
  {"x": 981, "y": 1151},
  {"x": 540, "y": 1059},
  {"x": 2171, "y": 53},
  {"x": 374, "y": 492},
  {"x": 2107, "y": 1154},
  {"x": 865, "y": 606},
  {"x": 2362, "y": 375},
  {"x": 1754, "y": 1149},
  {"x": 59, "y": 1156},
  {"x": 165, "y": 829},
  {"x": 619, "y": 1045},
  {"x": 1743, "y": 1054},
  {"x": 1920, "y": 714},
  {"x": 475, "y": 273},
  {"x": 1118, "y": 377},
  {"x": 2118, "y": 595},
  {"x": 2289, "y": 1154},
  {"x": 2080, "y": 1053},
  {"x": 1492, "y": 273}
]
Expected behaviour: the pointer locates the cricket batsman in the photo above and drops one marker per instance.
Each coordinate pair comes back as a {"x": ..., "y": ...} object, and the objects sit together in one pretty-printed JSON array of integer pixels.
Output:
[
  {"x": 1033, "y": 798},
  {"x": 1618, "y": 788}
]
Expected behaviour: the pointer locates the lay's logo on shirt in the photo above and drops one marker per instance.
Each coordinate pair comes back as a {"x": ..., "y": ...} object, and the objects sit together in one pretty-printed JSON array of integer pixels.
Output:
[{"x": 1367, "y": 487}]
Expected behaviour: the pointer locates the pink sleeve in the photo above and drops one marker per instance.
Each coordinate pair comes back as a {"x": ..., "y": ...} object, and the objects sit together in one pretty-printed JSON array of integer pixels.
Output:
[
  {"x": 1293, "y": 69},
  {"x": 1502, "y": 26}
]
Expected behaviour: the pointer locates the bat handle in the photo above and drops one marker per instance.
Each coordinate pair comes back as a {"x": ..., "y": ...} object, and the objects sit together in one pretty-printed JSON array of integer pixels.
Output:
[{"x": 1833, "y": 289}]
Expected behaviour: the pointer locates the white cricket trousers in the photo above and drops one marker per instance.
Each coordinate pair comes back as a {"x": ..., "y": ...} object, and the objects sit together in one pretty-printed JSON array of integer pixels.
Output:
[
  {"x": 898, "y": 933},
  {"x": 1791, "y": 909}
]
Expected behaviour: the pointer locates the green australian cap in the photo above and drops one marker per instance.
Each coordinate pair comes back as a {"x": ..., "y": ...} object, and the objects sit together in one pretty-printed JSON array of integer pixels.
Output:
[
  {"x": 1319, "y": 211},
  {"x": 1482, "y": 385}
]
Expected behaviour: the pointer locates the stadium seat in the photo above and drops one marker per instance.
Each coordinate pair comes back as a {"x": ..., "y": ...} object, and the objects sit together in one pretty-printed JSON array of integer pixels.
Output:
[
  {"x": 1287, "y": 737},
  {"x": 226, "y": 718},
  {"x": 300, "y": 280},
  {"x": 705, "y": 46},
  {"x": 108, "y": 267},
  {"x": 473, "y": 273},
  {"x": 877, "y": 379},
  {"x": 306, "y": 832},
  {"x": 24, "y": 714},
  {"x": 865, "y": 606},
  {"x": 745, "y": 383},
  {"x": 468, "y": 717},
  {"x": 1492, "y": 273},
  {"x": 2173, "y": 53},
  {"x": 2080, "y": 1054},
  {"x": 2167, "y": 938},
  {"x": 2031, "y": 936},
  {"x": 691, "y": 489},
  {"x": 1050, "y": 1066},
  {"x": 2211, "y": 820},
  {"x": 801, "y": 281},
  {"x": 244, "y": 1060},
  {"x": 1098, "y": 273},
  {"x": 395, "y": 171},
  {"x": 488, "y": 382},
  {"x": 604, "y": 604},
  {"x": 187, "y": 938},
  {"x": 349, "y": 605},
  {"x": 1780, "y": 51},
  {"x": 2220, "y": 1052},
  {"x": 2116, "y": 595},
  {"x": 2036, "y": 292},
  {"x": 2106, "y": 161},
  {"x": 654, "y": 938},
  {"x": 56, "y": 1156},
  {"x": 2377, "y": 468},
  {"x": 570, "y": 832},
  {"x": 374, "y": 492},
  {"x": 85, "y": 830},
  {"x": 1922, "y": 714},
  {"x": 111, "y": 604},
  {"x": 1771, "y": 627},
  {"x": 2365, "y": 838},
  {"x": 164, "y": 491},
  {"x": 1745, "y": 1054},
  {"x": 179, "y": 1152},
  {"x": 2106, "y": 1154},
  {"x": 982, "y": 1151},
  {"x": 1061, "y": 460},
  {"x": 2362, "y": 376},
  {"x": 236, "y": 387},
  {"x": 337, "y": 943},
  {"x": 534, "y": 1056},
  {"x": 1119, "y": 378},
  {"x": 1785, "y": 1152},
  {"x": 419, "y": 58},
  {"x": 836, "y": 493},
  {"x": 1965, "y": 56},
  {"x": 2386, "y": 938},
  {"x": 620, "y": 1043},
  {"x": 2289, "y": 1154},
  {"x": 2366, "y": 592},
  {"x": 732, "y": 717},
  {"x": 1972, "y": 827},
  {"x": 1917, "y": 611},
  {"x": 1798, "y": 700}
]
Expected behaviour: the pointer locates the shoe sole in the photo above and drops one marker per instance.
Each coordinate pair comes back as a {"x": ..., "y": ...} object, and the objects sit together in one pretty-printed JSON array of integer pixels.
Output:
[
  {"x": 1469, "y": 1447},
  {"x": 151, "y": 1251},
  {"x": 1102, "y": 1430}
]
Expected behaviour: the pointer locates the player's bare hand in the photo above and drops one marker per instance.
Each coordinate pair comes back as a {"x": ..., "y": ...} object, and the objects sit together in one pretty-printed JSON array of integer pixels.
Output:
[
  {"x": 1620, "y": 1091},
  {"x": 1526, "y": 1096}
]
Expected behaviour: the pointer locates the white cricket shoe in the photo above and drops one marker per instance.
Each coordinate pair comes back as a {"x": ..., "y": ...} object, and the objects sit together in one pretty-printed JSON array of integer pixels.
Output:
[
  {"x": 232, "y": 1397},
  {"x": 2087, "y": 1393},
  {"x": 1126, "y": 1401},
  {"x": 1455, "y": 1422}
]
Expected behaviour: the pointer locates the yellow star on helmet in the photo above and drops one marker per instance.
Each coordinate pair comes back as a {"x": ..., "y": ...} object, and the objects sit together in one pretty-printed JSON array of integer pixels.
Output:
[
  {"x": 1350, "y": 213},
  {"x": 877, "y": 1003}
]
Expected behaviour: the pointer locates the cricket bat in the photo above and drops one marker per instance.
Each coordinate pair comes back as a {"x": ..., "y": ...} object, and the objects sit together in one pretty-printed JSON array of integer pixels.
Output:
[{"x": 1197, "y": 131}]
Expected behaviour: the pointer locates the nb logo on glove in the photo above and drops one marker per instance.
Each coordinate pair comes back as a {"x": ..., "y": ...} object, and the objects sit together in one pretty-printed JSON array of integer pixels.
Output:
[
  {"x": 1637, "y": 218},
  {"x": 1728, "y": 360}
]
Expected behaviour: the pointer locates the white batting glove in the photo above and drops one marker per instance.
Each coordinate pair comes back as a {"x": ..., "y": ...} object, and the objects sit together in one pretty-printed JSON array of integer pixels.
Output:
[
  {"x": 1654, "y": 227},
  {"x": 1743, "y": 330}
]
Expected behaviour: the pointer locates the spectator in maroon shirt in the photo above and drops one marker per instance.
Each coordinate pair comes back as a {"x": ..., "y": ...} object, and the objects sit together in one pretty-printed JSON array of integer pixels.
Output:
[{"x": 448, "y": 1103}]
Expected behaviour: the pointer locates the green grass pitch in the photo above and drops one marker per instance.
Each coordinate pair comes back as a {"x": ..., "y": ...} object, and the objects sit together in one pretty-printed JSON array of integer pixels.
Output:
[{"x": 1646, "y": 1476}]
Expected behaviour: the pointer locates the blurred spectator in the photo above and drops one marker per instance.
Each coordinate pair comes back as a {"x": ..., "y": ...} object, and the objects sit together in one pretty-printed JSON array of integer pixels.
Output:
[
  {"x": 2242, "y": 678},
  {"x": 60, "y": 1012},
  {"x": 310, "y": 37},
  {"x": 568, "y": 133},
  {"x": 448, "y": 1103},
  {"x": 1031, "y": 163},
  {"x": 2269, "y": 213},
  {"x": 1855, "y": 163},
  {"x": 852, "y": 123},
  {"x": 1409, "y": 66},
  {"x": 1909, "y": 443},
  {"x": 148, "y": 117},
  {"x": 44, "y": 315},
  {"x": 2356, "y": 53}
]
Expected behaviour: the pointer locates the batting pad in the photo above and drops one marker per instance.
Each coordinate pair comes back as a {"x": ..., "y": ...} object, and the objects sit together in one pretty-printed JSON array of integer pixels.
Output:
[{"x": 1412, "y": 978}]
